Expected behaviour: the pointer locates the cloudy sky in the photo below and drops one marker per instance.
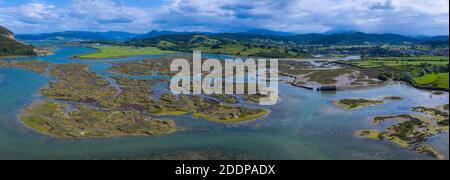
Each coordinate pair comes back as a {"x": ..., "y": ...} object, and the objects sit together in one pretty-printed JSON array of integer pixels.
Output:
[{"x": 409, "y": 17}]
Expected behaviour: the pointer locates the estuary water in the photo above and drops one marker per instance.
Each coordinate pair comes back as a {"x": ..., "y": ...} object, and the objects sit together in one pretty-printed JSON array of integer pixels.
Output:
[{"x": 303, "y": 125}]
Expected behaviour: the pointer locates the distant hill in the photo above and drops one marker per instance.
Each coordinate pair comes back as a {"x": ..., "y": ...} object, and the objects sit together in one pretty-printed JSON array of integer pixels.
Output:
[
  {"x": 155, "y": 33},
  {"x": 268, "y": 32},
  {"x": 80, "y": 36},
  {"x": 339, "y": 31},
  {"x": 258, "y": 36},
  {"x": 437, "y": 38},
  {"x": 9, "y": 46},
  {"x": 349, "y": 38},
  {"x": 352, "y": 38}
]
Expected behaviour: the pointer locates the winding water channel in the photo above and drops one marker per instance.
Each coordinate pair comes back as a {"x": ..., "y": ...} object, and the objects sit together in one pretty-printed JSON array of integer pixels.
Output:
[{"x": 303, "y": 125}]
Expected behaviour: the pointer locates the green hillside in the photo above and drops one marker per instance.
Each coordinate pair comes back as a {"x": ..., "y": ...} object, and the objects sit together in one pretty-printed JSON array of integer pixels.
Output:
[
  {"x": 10, "y": 47},
  {"x": 4, "y": 31}
]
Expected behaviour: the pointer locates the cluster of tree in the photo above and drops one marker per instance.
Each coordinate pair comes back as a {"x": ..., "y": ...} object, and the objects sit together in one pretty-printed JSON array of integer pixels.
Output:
[
  {"x": 10, "y": 47},
  {"x": 378, "y": 52},
  {"x": 407, "y": 73}
]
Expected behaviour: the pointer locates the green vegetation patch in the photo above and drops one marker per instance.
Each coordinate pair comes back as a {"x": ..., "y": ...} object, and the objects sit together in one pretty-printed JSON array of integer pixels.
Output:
[
  {"x": 245, "y": 50},
  {"x": 122, "y": 51},
  {"x": 76, "y": 83},
  {"x": 371, "y": 134},
  {"x": 159, "y": 66},
  {"x": 429, "y": 150},
  {"x": 412, "y": 130},
  {"x": 52, "y": 119},
  {"x": 399, "y": 61},
  {"x": 230, "y": 114},
  {"x": 429, "y": 72},
  {"x": 11, "y": 47},
  {"x": 439, "y": 80},
  {"x": 357, "y": 103},
  {"x": 96, "y": 107}
]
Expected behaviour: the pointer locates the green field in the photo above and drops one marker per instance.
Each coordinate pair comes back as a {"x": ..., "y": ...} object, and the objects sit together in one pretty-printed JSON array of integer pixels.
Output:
[
  {"x": 410, "y": 69},
  {"x": 416, "y": 58},
  {"x": 122, "y": 51},
  {"x": 439, "y": 80},
  {"x": 399, "y": 61},
  {"x": 241, "y": 50},
  {"x": 392, "y": 63}
]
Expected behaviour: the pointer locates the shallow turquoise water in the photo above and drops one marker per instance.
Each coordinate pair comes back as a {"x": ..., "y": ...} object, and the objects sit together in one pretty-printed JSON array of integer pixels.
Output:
[{"x": 304, "y": 125}]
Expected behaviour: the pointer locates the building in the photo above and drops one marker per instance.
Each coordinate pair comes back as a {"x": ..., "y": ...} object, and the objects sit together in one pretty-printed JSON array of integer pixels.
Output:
[{"x": 327, "y": 87}]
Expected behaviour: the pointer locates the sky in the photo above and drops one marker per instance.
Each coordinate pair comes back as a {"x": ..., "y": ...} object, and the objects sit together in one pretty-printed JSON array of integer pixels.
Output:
[{"x": 407, "y": 17}]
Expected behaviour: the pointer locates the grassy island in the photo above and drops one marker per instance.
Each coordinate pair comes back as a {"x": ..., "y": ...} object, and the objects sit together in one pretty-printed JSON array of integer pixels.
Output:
[
  {"x": 76, "y": 83},
  {"x": 371, "y": 134},
  {"x": 122, "y": 51},
  {"x": 232, "y": 114},
  {"x": 429, "y": 150},
  {"x": 52, "y": 118},
  {"x": 159, "y": 66},
  {"x": 82, "y": 104},
  {"x": 350, "y": 104},
  {"x": 412, "y": 130},
  {"x": 357, "y": 103}
]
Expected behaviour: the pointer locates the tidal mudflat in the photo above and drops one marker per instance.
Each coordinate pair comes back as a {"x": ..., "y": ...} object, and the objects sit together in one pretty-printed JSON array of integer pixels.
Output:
[{"x": 303, "y": 125}]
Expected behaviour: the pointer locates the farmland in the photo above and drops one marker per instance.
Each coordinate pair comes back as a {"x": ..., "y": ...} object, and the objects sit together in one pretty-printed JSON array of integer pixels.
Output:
[
  {"x": 439, "y": 80},
  {"x": 430, "y": 72},
  {"x": 121, "y": 51},
  {"x": 400, "y": 61},
  {"x": 242, "y": 50}
]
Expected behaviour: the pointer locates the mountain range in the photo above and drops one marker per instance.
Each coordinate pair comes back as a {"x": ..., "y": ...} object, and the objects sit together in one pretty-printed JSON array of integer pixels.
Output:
[
  {"x": 79, "y": 36},
  {"x": 338, "y": 38}
]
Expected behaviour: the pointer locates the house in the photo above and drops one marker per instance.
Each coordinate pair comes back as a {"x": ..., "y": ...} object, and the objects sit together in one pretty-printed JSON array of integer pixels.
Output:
[{"x": 327, "y": 87}]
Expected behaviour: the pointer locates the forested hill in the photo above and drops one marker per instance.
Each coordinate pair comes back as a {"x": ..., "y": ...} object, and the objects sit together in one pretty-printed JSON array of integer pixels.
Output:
[
  {"x": 11, "y": 47},
  {"x": 353, "y": 38},
  {"x": 5, "y": 32}
]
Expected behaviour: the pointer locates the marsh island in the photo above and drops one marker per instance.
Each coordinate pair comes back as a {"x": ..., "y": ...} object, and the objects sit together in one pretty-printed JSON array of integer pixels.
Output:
[
  {"x": 412, "y": 130},
  {"x": 82, "y": 104},
  {"x": 363, "y": 103}
]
